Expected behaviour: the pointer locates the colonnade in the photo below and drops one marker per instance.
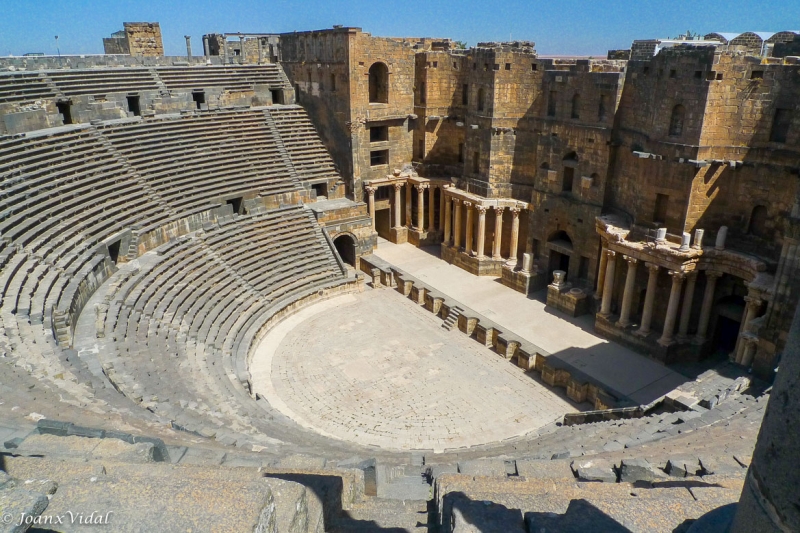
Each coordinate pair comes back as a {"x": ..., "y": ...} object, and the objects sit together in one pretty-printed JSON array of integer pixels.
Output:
[
  {"x": 422, "y": 223},
  {"x": 453, "y": 205},
  {"x": 681, "y": 298}
]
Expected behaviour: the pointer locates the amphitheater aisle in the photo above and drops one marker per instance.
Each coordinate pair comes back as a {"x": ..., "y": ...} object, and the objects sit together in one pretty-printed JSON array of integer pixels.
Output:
[{"x": 570, "y": 339}]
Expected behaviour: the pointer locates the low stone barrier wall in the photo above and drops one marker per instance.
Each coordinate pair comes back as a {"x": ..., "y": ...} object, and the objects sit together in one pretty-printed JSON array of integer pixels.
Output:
[{"x": 529, "y": 357}]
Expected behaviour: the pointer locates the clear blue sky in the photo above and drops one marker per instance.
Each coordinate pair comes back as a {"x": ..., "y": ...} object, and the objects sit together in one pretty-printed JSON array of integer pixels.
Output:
[{"x": 557, "y": 26}]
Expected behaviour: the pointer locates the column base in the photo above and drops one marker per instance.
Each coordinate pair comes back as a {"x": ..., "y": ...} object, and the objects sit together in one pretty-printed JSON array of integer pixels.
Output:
[
  {"x": 567, "y": 299},
  {"x": 699, "y": 341},
  {"x": 623, "y": 325},
  {"x": 422, "y": 238},
  {"x": 665, "y": 342},
  {"x": 642, "y": 334},
  {"x": 398, "y": 235},
  {"x": 471, "y": 263}
]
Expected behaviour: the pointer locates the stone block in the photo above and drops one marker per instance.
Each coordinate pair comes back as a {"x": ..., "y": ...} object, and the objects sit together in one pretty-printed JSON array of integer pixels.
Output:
[
  {"x": 595, "y": 470},
  {"x": 632, "y": 470},
  {"x": 682, "y": 466},
  {"x": 483, "y": 467}
]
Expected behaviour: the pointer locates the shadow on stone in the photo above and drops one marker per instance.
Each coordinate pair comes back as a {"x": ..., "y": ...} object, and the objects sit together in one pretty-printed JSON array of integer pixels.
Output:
[{"x": 580, "y": 517}]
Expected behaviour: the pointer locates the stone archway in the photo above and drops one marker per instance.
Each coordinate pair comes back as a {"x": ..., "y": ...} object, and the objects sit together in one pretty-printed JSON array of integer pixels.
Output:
[{"x": 345, "y": 246}]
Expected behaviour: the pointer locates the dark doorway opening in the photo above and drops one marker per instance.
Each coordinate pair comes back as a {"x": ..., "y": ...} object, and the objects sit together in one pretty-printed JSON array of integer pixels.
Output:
[
  {"x": 236, "y": 204},
  {"x": 726, "y": 334},
  {"x": 558, "y": 261},
  {"x": 133, "y": 105},
  {"x": 199, "y": 98},
  {"x": 383, "y": 222},
  {"x": 320, "y": 190},
  {"x": 346, "y": 247},
  {"x": 113, "y": 251},
  {"x": 66, "y": 112},
  {"x": 277, "y": 96},
  {"x": 560, "y": 246}
]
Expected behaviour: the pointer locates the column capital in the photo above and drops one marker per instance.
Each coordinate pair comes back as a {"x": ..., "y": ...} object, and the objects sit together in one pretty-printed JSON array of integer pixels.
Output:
[
  {"x": 749, "y": 338},
  {"x": 515, "y": 211},
  {"x": 456, "y": 201},
  {"x": 611, "y": 254},
  {"x": 467, "y": 204},
  {"x": 398, "y": 186},
  {"x": 499, "y": 209},
  {"x": 370, "y": 189},
  {"x": 421, "y": 186},
  {"x": 630, "y": 260},
  {"x": 714, "y": 274},
  {"x": 753, "y": 302},
  {"x": 481, "y": 209},
  {"x": 652, "y": 266},
  {"x": 677, "y": 275}
]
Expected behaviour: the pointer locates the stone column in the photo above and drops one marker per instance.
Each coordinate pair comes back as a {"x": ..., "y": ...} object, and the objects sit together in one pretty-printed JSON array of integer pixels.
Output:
[
  {"x": 409, "y": 218},
  {"x": 751, "y": 307},
  {"x": 749, "y": 345},
  {"x": 649, "y": 299},
  {"x": 457, "y": 224},
  {"x": 686, "y": 311},
  {"x": 396, "y": 207},
  {"x": 769, "y": 495},
  {"x": 601, "y": 272},
  {"x": 371, "y": 204},
  {"x": 421, "y": 206},
  {"x": 627, "y": 295},
  {"x": 448, "y": 214},
  {"x": 431, "y": 208},
  {"x": 498, "y": 234},
  {"x": 708, "y": 303},
  {"x": 206, "y": 49},
  {"x": 672, "y": 308},
  {"x": 241, "y": 50},
  {"x": 188, "y": 46},
  {"x": 260, "y": 50},
  {"x": 608, "y": 286},
  {"x": 224, "y": 50},
  {"x": 481, "y": 230},
  {"x": 442, "y": 214},
  {"x": 470, "y": 229},
  {"x": 512, "y": 248}
]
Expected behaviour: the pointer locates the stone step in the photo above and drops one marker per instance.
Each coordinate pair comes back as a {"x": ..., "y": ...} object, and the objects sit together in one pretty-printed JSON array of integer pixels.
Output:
[{"x": 376, "y": 514}]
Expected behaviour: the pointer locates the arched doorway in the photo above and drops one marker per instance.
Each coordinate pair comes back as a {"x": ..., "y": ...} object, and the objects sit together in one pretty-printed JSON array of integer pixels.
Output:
[
  {"x": 346, "y": 248},
  {"x": 560, "y": 246}
]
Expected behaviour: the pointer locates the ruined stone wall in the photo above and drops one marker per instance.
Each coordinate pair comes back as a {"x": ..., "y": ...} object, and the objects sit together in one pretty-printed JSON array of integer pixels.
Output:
[
  {"x": 440, "y": 129},
  {"x": 570, "y": 134},
  {"x": 399, "y": 57},
  {"x": 144, "y": 38},
  {"x": 316, "y": 64},
  {"x": 115, "y": 45}
]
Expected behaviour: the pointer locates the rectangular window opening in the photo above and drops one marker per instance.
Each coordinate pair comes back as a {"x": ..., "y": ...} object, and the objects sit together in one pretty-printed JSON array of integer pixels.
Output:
[
  {"x": 757, "y": 75},
  {"x": 379, "y": 157},
  {"x": 378, "y": 134},
  {"x": 476, "y": 162},
  {"x": 277, "y": 96},
  {"x": 464, "y": 94},
  {"x": 508, "y": 66},
  {"x": 460, "y": 152}
]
